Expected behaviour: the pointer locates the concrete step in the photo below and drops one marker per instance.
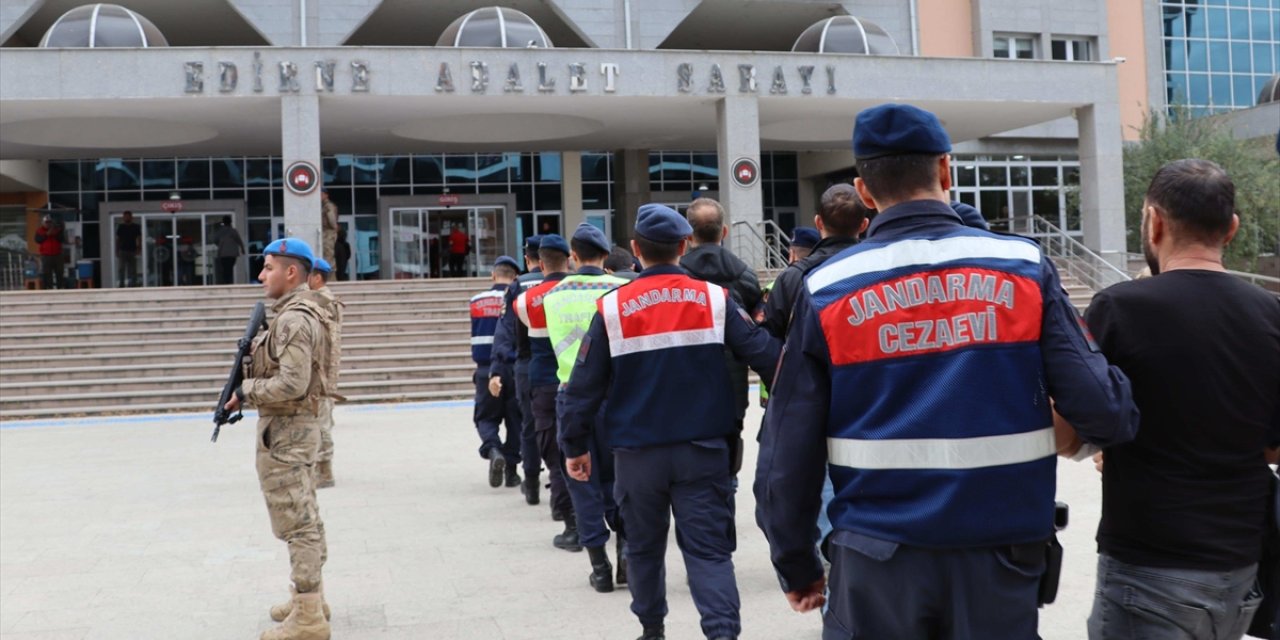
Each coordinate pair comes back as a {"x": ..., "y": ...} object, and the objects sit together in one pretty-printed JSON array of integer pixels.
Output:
[
  {"x": 355, "y": 308},
  {"x": 201, "y": 405},
  {"x": 198, "y": 340},
  {"x": 354, "y": 333},
  {"x": 218, "y": 367},
  {"x": 417, "y": 348},
  {"x": 223, "y": 319}
]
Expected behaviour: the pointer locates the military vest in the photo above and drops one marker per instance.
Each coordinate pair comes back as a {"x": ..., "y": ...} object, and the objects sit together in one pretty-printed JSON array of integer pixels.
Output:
[{"x": 265, "y": 362}]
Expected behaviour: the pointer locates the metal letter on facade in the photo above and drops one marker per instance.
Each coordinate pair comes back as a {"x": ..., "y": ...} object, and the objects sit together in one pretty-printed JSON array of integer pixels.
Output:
[
  {"x": 779, "y": 86},
  {"x": 717, "y": 80},
  {"x": 288, "y": 77},
  {"x": 195, "y": 77},
  {"x": 228, "y": 76},
  {"x": 257, "y": 72},
  {"x": 444, "y": 79},
  {"x": 806, "y": 74},
  {"x": 324, "y": 75},
  {"x": 577, "y": 77},
  {"x": 684, "y": 77},
  {"x": 610, "y": 71},
  {"x": 479, "y": 76},
  {"x": 746, "y": 78},
  {"x": 513, "y": 84},
  {"x": 831, "y": 79},
  {"x": 359, "y": 76},
  {"x": 545, "y": 84}
]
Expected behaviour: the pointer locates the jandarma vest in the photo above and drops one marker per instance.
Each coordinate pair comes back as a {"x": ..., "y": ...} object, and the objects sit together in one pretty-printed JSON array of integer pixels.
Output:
[
  {"x": 940, "y": 432},
  {"x": 266, "y": 359},
  {"x": 486, "y": 310},
  {"x": 542, "y": 359},
  {"x": 526, "y": 281},
  {"x": 569, "y": 308},
  {"x": 666, "y": 340}
]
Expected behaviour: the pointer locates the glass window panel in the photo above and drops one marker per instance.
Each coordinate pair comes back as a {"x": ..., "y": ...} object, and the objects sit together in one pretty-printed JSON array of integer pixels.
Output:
[
  {"x": 1081, "y": 50},
  {"x": 459, "y": 168},
  {"x": 595, "y": 167},
  {"x": 121, "y": 174},
  {"x": 1258, "y": 83},
  {"x": 1175, "y": 55},
  {"x": 1019, "y": 176},
  {"x": 786, "y": 194},
  {"x": 549, "y": 167},
  {"x": 994, "y": 205},
  {"x": 524, "y": 196},
  {"x": 364, "y": 170},
  {"x": 64, "y": 176},
  {"x": 366, "y": 202},
  {"x": 257, "y": 172},
  {"x": 155, "y": 195},
  {"x": 228, "y": 194},
  {"x": 1239, "y": 24},
  {"x": 1071, "y": 175},
  {"x": 129, "y": 196},
  {"x": 341, "y": 197},
  {"x": 395, "y": 191},
  {"x": 1217, "y": 19},
  {"x": 258, "y": 203},
  {"x": 494, "y": 167},
  {"x": 1220, "y": 87},
  {"x": 1174, "y": 23},
  {"x": 1073, "y": 218},
  {"x": 90, "y": 176},
  {"x": 1058, "y": 49},
  {"x": 277, "y": 203},
  {"x": 428, "y": 189},
  {"x": 193, "y": 173},
  {"x": 69, "y": 200},
  {"x": 1000, "y": 48},
  {"x": 1044, "y": 203},
  {"x": 785, "y": 165},
  {"x": 675, "y": 168},
  {"x": 277, "y": 172},
  {"x": 157, "y": 174},
  {"x": 1044, "y": 176},
  {"x": 1243, "y": 90},
  {"x": 1215, "y": 2},
  {"x": 428, "y": 170},
  {"x": 1262, "y": 20},
  {"x": 969, "y": 197},
  {"x": 595, "y": 196},
  {"x": 395, "y": 170},
  {"x": 1263, "y": 56},
  {"x": 1195, "y": 22},
  {"x": 335, "y": 170},
  {"x": 1026, "y": 48},
  {"x": 1198, "y": 89},
  {"x": 966, "y": 176},
  {"x": 1219, "y": 56},
  {"x": 993, "y": 177},
  {"x": 1241, "y": 57},
  {"x": 1178, "y": 89},
  {"x": 1197, "y": 55}
]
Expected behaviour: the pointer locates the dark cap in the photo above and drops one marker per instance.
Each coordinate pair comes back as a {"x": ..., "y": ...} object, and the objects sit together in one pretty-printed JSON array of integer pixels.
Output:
[
  {"x": 532, "y": 242},
  {"x": 507, "y": 260},
  {"x": 896, "y": 129},
  {"x": 291, "y": 248},
  {"x": 660, "y": 223},
  {"x": 589, "y": 234},
  {"x": 804, "y": 237},
  {"x": 554, "y": 242}
]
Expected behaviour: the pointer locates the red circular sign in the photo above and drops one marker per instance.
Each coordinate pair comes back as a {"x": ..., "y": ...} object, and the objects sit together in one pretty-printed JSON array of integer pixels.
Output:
[
  {"x": 745, "y": 172},
  {"x": 171, "y": 206},
  {"x": 302, "y": 177}
]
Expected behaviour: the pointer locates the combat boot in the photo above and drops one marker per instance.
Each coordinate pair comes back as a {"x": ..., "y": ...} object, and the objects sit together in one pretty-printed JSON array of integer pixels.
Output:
[
  {"x": 497, "y": 467},
  {"x": 622, "y": 560},
  {"x": 305, "y": 622},
  {"x": 530, "y": 489},
  {"x": 601, "y": 578},
  {"x": 569, "y": 539},
  {"x": 655, "y": 632},
  {"x": 324, "y": 474},
  {"x": 513, "y": 478},
  {"x": 281, "y": 611}
]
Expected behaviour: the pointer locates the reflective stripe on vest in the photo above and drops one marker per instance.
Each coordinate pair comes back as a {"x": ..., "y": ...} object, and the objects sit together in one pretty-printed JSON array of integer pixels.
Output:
[
  {"x": 907, "y": 253},
  {"x": 942, "y": 453},
  {"x": 530, "y": 310},
  {"x": 569, "y": 308},
  {"x": 664, "y": 312}
]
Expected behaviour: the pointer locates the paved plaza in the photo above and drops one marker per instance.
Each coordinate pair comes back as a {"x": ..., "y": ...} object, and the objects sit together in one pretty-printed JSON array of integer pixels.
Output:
[{"x": 138, "y": 528}]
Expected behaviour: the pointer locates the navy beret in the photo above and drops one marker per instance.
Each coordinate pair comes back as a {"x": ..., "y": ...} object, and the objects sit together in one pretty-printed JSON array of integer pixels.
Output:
[
  {"x": 804, "y": 237},
  {"x": 507, "y": 260},
  {"x": 531, "y": 243},
  {"x": 895, "y": 129},
  {"x": 660, "y": 223},
  {"x": 554, "y": 242},
  {"x": 291, "y": 248},
  {"x": 592, "y": 236}
]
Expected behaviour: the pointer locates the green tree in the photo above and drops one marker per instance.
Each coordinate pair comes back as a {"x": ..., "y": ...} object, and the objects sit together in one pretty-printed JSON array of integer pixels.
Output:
[{"x": 1252, "y": 164}]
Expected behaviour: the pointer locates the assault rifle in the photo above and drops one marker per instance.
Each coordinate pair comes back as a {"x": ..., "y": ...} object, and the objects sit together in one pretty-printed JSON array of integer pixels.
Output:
[{"x": 221, "y": 416}]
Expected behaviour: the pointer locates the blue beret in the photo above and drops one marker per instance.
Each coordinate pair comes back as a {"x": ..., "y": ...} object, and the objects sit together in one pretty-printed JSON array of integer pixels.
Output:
[
  {"x": 660, "y": 223},
  {"x": 321, "y": 265},
  {"x": 291, "y": 248},
  {"x": 805, "y": 237},
  {"x": 507, "y": 260},
  {"x": 555, "y": 242},
  {"x": 532, "y": 242},
  {"x": 894, "y": 129},
  {"x": 592, "y": 236}
]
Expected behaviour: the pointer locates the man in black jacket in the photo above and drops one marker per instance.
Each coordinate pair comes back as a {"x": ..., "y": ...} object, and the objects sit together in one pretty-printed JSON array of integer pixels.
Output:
[{"x": 710, "y": 261}]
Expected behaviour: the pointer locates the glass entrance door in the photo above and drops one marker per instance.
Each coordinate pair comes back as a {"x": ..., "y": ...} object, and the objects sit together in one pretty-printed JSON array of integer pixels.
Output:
[
  {"x": 435, "y": 242},
  {"x": 176, "y": 249}
]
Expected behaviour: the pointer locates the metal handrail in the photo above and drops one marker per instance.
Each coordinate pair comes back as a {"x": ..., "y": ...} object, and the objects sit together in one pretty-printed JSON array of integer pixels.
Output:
[
  {"x": 1270, "y": 283},
  {"x": 13, "y": 266},
  {"x": 1069, "y": 254},
  {"x": 756, "y": 248}
]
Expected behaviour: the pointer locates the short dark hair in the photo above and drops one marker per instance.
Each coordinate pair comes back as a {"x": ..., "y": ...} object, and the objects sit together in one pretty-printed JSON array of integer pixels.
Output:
[
  {"x": 127, "y": 212},
  {"x": 843, "y": 214},
  {"x": 657, "y": 251},
  {"x": 899, "y": 177},
  {"x": 504, "y": 271},
  {"x": 553, "y": 257},
  {"x": 707, "y": 228},
  {"x": 303, "y": 265},
  {"x": 619, "y": 260},
  {"x": 586, "y": 250},
  {"x": 1198, "y": 196},
  {"x": 324, "y": 275},
  {"x": 226, "y": 220}
]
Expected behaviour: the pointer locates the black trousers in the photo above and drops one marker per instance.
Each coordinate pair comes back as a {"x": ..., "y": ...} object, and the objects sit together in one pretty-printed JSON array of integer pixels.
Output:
[
  {"x": 227, "y": 270},
  {"x": 544, "y": 416}
]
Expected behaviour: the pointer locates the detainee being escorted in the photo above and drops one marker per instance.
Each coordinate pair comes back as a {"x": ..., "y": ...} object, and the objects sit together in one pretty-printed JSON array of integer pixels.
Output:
[
  {"x": 494, "y": 411},
  {"x": 921, "y": 365},
  {"x": 319, "y": 284},
  {"x": 655, "y": 351},
  {"x": 286, "y": 383}
]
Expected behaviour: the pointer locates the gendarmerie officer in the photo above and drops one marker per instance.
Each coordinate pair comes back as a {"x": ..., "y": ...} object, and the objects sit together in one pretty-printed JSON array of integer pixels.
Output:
[
  {"x": 659, "y": 342},
  {"x": 493, "y": 411},
  {"x": 553, "y": 255},
  {"x": 318, "y": 282},
  {"x": 922, "y": 365},
  {"x": 511, "y": 362}
]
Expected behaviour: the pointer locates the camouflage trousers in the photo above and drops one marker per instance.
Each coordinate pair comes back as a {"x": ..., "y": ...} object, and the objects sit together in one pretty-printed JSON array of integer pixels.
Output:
[
  {"x": 287, "y": 448},
  {"x": 330, "y": 240},
  {"x": 326, "y": 430}
]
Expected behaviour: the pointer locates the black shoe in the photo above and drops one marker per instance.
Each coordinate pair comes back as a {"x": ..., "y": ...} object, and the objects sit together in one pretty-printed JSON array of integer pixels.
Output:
[
  {"x": 530, "y": 489},
  {"x": 513, "y": 478},
  {"x": 568, "y": 540},
  {"x": 725, "y": 638},
  {"x": 622, "y": 561},
  {"x": 601, "y": 578},
  {"x": 656, "y": 632},
  {"x": 497, "y": 467}
]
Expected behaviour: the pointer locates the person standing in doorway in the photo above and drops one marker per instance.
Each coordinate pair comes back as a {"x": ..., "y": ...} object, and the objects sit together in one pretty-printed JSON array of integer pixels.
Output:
[
  {"x": 459, "y": 246},
  {"x": 328, "y": 226},
  {"x": 230, "y": 248},
  {"x": 342, "y": 254},
  {"x": 50, "y": 237},
  {"x": 128, "y": 241}
]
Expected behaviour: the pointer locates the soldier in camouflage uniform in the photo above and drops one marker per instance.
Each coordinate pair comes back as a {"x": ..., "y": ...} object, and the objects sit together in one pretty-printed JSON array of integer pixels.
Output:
[
  {"x": 286, "y": 381},
  {"x": 322, "y": 294}
]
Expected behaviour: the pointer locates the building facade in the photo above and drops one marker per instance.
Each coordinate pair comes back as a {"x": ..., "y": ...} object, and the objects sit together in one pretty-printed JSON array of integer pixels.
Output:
[{"x": 419, "y": 118}]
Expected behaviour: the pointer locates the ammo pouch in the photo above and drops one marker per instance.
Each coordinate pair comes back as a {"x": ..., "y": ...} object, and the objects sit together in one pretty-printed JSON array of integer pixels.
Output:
[{"x": 1053, "y": 558}]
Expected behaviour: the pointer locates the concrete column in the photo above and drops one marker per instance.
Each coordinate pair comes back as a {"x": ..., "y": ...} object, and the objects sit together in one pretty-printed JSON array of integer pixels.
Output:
[
  {"x": 571, "y": 190},
  {"x": 1102, "y": 180},
  {"x": 630, "y": 190},
  {"x": 738, "y": 136},
  {"x": 300, "y": 141}
]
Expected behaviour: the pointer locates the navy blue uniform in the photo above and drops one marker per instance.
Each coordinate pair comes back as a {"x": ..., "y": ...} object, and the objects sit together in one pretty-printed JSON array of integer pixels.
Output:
[
  {"x": 920, "y": 365},
  {"x": 491, "y": 412},
  {"x": 656, "y": 351},
  {"x": 511, "y": 359},
  {"x": 543, "y": 386}
]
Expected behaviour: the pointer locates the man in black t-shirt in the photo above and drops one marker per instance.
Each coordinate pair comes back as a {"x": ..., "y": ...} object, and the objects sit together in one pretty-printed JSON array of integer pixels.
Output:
[
  {"x": 128, "y": 239},
  {"x": 1184, "y": 506}
]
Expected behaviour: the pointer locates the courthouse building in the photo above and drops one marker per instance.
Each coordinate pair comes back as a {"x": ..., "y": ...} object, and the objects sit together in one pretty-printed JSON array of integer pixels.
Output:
[{"x": 420, "y": 117}]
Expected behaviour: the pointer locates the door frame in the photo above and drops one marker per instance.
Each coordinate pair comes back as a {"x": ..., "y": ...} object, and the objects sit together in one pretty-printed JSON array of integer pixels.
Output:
[
  {"x": 107, "y": 236},
  {"x": 465, "y": 201}
]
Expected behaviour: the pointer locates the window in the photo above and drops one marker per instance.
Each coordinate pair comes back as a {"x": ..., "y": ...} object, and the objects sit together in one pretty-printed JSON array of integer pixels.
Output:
[
  {"x": 1071, "y": 49},
  {"x": 1217, "y": 53},
  {"x": 1020, "y": 47},
  {"x": 1007, "y": 189}
]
